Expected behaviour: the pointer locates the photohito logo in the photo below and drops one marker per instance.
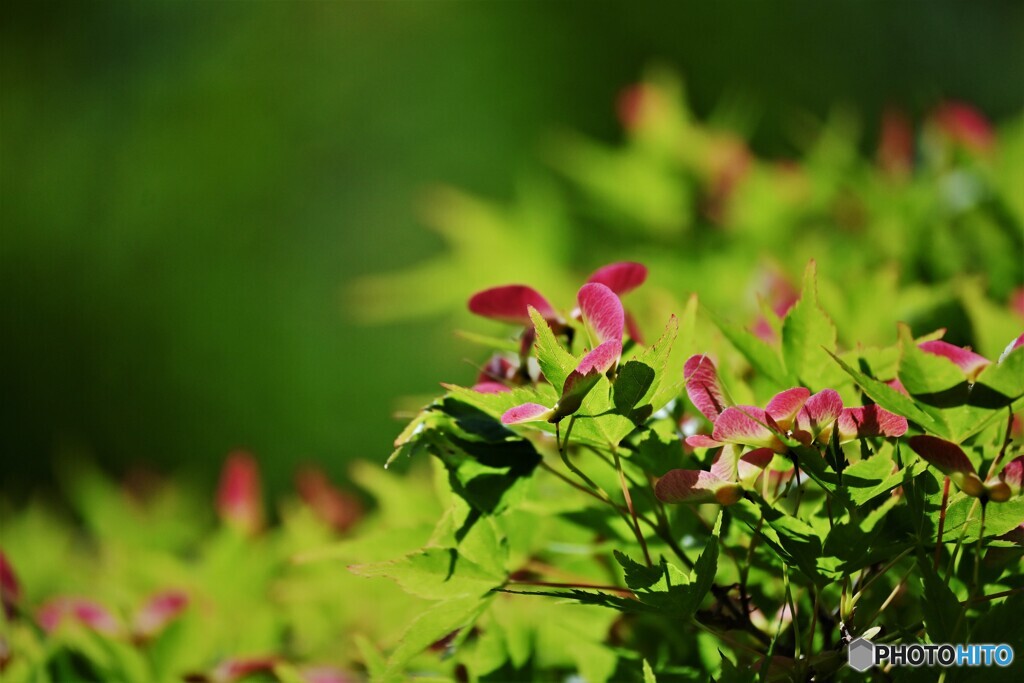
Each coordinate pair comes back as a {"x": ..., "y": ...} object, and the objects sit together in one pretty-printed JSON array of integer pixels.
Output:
[{"x": 863, "y": 654}]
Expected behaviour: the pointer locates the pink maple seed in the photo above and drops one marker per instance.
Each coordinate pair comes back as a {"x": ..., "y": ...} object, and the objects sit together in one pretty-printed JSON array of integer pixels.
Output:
[
  {"x": 159, "y": 611},
  {"x": 897, "y": 385},
  {"x": 602, "y": 312},
  {"x": 239, "y": 497},
  {"x": 601, "y": 359},
  {"x": 702, "y": 441},
  {"x": 729, "y": 465},
  {"x": 969, "y": 362},
  {"x": 498, "y": 368},
  {"x": 1015, "y": 344},
  {"x": 866, "y": 421},
  {"x": 527, "y": 412},
  {"x": 818, "y": 414},
  {"x": 752, "y": 463},
  {"x": 10, "y": 589},
  {"x": 577, "y": 385},
  {"x": 622, "y": 277},
  {"x": 784, "y": 406},
  {"x": 511, "y": 304},
  {"x": 490, "y": 388},
  {"x": 949, "y": 459},
  {"x": 749, "y": 426},
  {"x": 696, "y": 487},
  {"x": 702, "y": 386},
  {"x": 1012, "y": 476},
  {"x": 633, "y": 329},
  {"x": 724, "y": 466}
]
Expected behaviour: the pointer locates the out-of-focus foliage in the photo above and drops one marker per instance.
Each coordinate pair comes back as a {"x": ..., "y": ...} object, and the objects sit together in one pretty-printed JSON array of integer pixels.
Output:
[
  {"x": 140, "y": 581},
  {"x": 932, "y": 223},
  {"x": 147, "y": 222},
  {"x": 189, "y": 186}
]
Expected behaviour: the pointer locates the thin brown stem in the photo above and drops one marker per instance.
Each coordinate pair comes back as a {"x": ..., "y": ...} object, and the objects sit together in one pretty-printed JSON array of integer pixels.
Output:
[
  {"x": 942, "y": 521},
  {"x": 960, "y": 541},
  {"x": 1007, "y": 440},
  {"x": 725, "y": 637},
  {"x": 883, "y": 571},
  {"x": 993, "y": 596},
  {"x": 745, "y": 567},
  {"x": 598, "y": 494},
  {"x": 889, "y": 599},
  {"x": 664, "y": 531},
  {"x": 977, "y": 553},
  {"x": 814, "y": 621},
  {"x": 632, "y": 510}
]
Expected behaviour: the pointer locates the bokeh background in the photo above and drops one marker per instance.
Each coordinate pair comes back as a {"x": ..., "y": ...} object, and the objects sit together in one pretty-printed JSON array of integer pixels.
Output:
[{"x": 189, "y": 189}]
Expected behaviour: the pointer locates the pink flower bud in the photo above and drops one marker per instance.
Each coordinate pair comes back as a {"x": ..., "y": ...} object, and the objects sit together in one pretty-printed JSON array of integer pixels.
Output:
[
  {"x": 236, "y": 669},
  {"x": 337, "y": 508},
  {"x": 965, "y": 125},
  {"x": 326, "y": 674},
  {"x": 637, "y": 104},
  {"x": 10, "y": 590},
  {"x": 88, "y": 613},
  {"x": 896, "y": 143},
  {"x": 239, "y": 500},
  {"x": 159, "y": 611}
]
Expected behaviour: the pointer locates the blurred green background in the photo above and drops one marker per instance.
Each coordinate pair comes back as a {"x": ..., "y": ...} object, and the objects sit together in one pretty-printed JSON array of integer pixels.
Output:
[{"x": 187, "y": 188}]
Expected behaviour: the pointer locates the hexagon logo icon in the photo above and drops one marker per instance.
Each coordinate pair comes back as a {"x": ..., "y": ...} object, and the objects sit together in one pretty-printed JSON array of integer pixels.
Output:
[{"x": 861, "y": 654}]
